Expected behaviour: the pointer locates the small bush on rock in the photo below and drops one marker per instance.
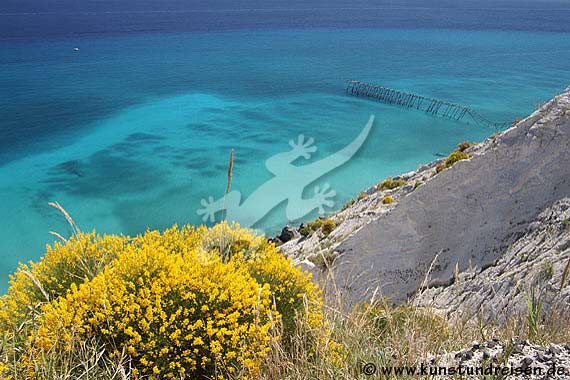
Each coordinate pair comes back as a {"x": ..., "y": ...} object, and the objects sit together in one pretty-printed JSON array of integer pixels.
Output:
[
  {"x": 439, "y": 168},
  {"x": 464, "y": 146},
  {"x": 454, "y": 157},
  {"x": 326, "y": 225},
  {"x": 390, "y": 184}
]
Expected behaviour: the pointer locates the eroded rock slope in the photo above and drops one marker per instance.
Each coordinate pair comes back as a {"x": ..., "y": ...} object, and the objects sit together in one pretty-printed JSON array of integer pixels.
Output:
[
  {"x": 468, "y": 215},
  {"x": 461, "y": 220}
]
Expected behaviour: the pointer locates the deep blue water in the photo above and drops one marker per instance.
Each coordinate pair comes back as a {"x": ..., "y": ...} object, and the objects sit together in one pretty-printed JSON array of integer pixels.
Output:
[
  {"x": 33, "y": 18},
  {"x": 134, "y": 129}
]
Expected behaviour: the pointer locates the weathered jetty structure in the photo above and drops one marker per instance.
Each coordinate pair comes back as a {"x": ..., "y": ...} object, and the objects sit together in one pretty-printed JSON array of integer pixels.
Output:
[{"x": 432, "y": 106}]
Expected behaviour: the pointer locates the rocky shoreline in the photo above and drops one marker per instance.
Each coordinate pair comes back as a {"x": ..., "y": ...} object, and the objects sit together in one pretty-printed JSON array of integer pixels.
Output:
[{"x": 453, "y": 236}]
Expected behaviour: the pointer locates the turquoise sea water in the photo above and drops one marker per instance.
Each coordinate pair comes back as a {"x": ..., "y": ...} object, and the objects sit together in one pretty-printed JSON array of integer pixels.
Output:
[{"x": 133, "y": 130}]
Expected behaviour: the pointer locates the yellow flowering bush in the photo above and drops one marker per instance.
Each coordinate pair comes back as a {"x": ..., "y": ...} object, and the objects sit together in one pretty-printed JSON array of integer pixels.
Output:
[
  {"x": 185, "y": 303},
  {"x": 82, "y": 257},
  {"x": 292, "y": 290}
]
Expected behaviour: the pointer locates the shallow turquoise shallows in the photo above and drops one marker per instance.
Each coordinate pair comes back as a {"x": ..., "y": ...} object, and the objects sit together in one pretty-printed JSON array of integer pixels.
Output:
[{"x": 130, "y": 132}]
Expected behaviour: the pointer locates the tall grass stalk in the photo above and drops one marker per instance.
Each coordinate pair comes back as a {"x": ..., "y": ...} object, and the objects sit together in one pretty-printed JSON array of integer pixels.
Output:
[
  {"x": 224, "y": 255},
  {"x": 74, "y": 229},
  {"x": 565, "y": 275},
  {"x": 534, "y": 308}
]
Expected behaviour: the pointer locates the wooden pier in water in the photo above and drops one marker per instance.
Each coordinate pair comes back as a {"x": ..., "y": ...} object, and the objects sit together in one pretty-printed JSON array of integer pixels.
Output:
[{"x": 432, "y": 106}]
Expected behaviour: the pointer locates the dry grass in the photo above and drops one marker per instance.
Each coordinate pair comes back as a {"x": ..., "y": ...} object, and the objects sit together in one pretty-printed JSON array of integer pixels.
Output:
[
  {"x": 395, "y": 336},
  {"x": 68, "y": 217},
  {"x": 350, "y": 336},
  {"x": 81, "y": 360}
]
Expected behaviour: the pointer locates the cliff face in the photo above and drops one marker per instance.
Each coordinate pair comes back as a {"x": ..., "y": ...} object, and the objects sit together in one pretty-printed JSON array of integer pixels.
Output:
[
  {"x": 536, "y": 262},
  {"x": 466, "y": 216}
]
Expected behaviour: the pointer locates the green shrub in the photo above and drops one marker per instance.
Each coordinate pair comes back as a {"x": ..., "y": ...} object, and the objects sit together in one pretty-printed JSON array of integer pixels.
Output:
[
  {"x": 326, "y": 225},
  {"x": 454, "y": 157},
  {"x": 387, "y": 200},
  {"x": 390, "y": 184},
  {"x": 305, "y": 230}
]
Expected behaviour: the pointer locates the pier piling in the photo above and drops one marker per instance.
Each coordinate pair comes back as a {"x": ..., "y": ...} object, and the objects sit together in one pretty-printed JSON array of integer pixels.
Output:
[{"x": 432, "y": 106}]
